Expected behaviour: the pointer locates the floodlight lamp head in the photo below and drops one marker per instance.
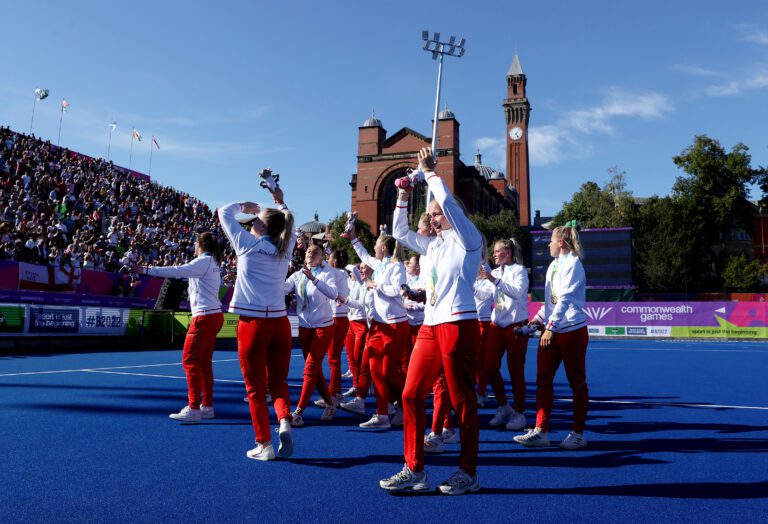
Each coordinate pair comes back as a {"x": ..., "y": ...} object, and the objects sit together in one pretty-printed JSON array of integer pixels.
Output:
[
  {"x": 436, "y": 38},
  {"x": 462, "y": 42},
  {"x": 452, "y": 40},
  {"x": 425, "y": 35}
]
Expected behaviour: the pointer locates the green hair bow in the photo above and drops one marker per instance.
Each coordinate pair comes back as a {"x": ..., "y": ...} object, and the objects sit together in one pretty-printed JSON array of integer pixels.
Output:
[{"x": 572, "y": 223}]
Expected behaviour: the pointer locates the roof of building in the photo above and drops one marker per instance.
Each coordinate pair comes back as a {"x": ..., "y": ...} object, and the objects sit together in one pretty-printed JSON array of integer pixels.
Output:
[
  {"x": 372, "y": 121},
  {"x": 515, "y": 69},
  {"x": 446, "y": 113},
  {"x": 486, "y": 171},
  {"x": 313, "y": 226}
]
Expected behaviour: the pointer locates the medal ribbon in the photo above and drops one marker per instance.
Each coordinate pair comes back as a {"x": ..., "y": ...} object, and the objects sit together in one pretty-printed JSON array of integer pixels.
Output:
[
  {"x": 499, "y": 294},
  {"x": 552, "y": 281}
]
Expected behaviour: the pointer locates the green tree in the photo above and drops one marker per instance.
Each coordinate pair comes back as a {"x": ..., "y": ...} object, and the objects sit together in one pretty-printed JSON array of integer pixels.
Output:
[
  {"x": 596, "y": 207},
  {"x": 499, "y": 226},
  {"x": 667, "y": 254},
  {"x": 714, "y": 192},
  {"x": 741, "y": 275}
]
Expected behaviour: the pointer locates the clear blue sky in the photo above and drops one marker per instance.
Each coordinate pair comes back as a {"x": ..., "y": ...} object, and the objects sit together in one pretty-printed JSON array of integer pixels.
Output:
[{"x": 230, "y": 87}]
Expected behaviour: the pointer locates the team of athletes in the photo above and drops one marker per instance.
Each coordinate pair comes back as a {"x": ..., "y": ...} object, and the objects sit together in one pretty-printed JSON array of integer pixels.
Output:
[{"x": 438, "y": 323}]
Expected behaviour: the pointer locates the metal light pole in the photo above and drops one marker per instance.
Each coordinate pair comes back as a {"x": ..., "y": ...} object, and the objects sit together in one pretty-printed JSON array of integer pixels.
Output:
[{"x": 438, "y": 50}]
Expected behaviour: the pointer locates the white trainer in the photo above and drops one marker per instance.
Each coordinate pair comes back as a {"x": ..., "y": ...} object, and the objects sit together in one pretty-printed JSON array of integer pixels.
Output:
[
  {"x": 503, "y": 413},
  {"x": 516, "y": 421},
  {"x": 347, "y": 374},
  {"x": 433, "y": 443},
  {"x": 321, "y": 403},
  {"x": 535, "y": 438},
  {"x": 460, "y": 483},
  {"x": 207, "y": 412},
  {"x": 285, "y": 435},
  {"x": 350, "y": 392},
  {"x": 187, "y": 414},
  {"x": 397, "y": 418},
  {"x": 262, "y": 452},
  {"x": 481, "y": 400},
  {"x": 574, "y": 441},
  {"x": 298, "y": 420},
  {"x": 450, "y": 436},
  {"x": 245, "y": 399},
  {"x": 406, "y": 480},
  {"x": 377, "y": 422},
  {"x": 328, "y": 413},
  {"x": 356, "y": 406}
]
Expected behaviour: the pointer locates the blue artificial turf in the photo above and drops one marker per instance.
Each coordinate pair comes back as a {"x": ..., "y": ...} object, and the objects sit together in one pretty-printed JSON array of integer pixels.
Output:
[{"x": 92, "y": 446}]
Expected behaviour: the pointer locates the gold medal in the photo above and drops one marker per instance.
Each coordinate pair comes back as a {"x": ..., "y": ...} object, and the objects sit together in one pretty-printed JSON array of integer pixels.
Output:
[{"x": 433, "y": 299}]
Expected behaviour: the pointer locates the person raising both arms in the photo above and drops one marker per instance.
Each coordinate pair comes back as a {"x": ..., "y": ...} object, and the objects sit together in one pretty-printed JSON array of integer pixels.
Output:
[
  {"x": 263, "y": 330},
  {"x": 565, "y": 338},
  {"x": 448, "y": 339},
  {"x": 204, "y": 276},
  {"x": 388, "y": 335},
  {"x": 315, "y": 288}
]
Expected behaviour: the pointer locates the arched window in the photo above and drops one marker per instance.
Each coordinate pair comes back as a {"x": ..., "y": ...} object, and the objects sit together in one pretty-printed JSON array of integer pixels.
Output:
[{"x": 388, "y": 198}]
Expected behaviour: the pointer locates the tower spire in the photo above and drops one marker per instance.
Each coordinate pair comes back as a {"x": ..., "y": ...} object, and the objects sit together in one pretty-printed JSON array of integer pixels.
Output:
[{"x": 515, "y": 69}]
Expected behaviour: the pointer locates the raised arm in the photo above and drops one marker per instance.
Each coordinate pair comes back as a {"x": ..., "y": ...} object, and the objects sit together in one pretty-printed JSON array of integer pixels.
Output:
[
  {"x": 402, "y": 232},
  {"x": 195, "y": 269},
  {"x": 240, "y": 239},
  {"x": 363, "y": 254},
  {"x": 467, "y": 231}
]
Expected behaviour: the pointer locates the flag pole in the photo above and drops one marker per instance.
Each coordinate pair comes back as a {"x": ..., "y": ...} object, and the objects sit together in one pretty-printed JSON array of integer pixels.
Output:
[
  {"x": 109, "y": 143},
  {"x": 34, "y": 103},
  {"x": 151, "y": 148},
  {"x": 61, "y": 118},
  {"x": 130, "y": 156}
]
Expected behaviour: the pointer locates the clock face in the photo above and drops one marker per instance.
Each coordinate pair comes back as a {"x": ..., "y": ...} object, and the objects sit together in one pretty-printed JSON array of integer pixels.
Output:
[{"x": 515, "y": 133}]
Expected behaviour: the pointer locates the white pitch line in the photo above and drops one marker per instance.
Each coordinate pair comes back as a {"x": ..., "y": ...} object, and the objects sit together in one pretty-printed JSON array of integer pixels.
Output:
[
  {"x": 294, "y": 355},
  {"x": 670, "y": 404},
  {"x": 170, "y": 376},
  {"x": 675, "y": 350}
]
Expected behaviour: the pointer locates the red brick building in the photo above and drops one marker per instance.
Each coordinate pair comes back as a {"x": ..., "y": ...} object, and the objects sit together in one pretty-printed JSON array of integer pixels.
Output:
[{"x": 382, "y": 159}]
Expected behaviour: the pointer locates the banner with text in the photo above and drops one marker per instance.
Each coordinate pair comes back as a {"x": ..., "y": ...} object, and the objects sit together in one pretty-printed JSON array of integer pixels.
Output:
[{"x": 747, "y": 320}]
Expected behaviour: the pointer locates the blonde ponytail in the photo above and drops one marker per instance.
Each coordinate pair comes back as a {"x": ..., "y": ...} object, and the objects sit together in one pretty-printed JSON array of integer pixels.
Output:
[{"x": 569, "y": 233}]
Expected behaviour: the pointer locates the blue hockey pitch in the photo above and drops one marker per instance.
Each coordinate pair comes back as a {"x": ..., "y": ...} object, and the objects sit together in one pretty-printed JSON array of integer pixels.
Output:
[{"x": 677, "y": 431}]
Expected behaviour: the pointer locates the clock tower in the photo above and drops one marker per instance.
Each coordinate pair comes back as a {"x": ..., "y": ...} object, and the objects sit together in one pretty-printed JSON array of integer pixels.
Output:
[{"x": 517, "y": 110}]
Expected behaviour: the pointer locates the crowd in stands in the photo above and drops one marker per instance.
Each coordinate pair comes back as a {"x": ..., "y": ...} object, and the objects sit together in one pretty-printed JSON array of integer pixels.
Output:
[{"x": 59, "y": 207}]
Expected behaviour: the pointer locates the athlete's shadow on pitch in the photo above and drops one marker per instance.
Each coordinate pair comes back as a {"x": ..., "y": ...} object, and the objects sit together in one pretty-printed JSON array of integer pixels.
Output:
[{"x": 690, "y": 490}]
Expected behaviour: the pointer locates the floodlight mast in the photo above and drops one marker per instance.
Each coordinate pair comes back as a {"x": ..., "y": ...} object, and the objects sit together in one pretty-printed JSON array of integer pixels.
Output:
[{"x": 438, "y": 50}]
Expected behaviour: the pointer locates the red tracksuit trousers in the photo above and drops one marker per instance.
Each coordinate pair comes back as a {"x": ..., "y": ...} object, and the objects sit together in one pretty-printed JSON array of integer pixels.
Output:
[
  {"x": 499, "y": 341},
  {"x": 197, "y": 358},
  {"x": 386, "y": 344},
  {"x": 570, "y": 349},
  {"x": 340, "y": 329},
  {"x": 451, "y": 347},
  {"x": 355, "y": 342},
  {"x": 264, "y": 349},
  {"x": 315, "y": 344},
  {"x": 482, "y": 350}
]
